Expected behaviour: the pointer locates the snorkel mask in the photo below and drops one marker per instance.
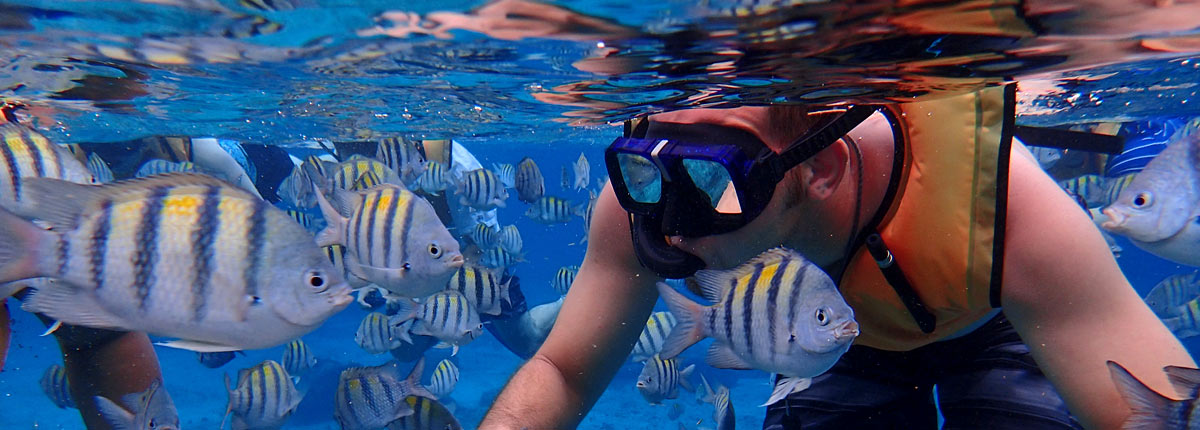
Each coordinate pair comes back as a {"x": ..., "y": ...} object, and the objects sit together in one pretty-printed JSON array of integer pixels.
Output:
[{"x": 696, "y": 180}]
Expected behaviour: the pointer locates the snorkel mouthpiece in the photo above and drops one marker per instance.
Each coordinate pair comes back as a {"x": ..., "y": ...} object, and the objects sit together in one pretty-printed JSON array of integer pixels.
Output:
[{"x": 654, "y": 253}]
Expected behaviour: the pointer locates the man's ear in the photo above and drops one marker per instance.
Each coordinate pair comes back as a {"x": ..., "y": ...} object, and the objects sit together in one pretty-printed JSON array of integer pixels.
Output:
[{"x": 822, "y": 173}]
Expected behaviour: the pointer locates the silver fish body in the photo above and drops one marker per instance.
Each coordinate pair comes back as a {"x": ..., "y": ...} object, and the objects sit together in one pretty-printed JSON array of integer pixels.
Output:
[
  {"x": 434, "y": 180},
  {"x": 658, "y": 327},
  {"x": 481, "y": 287},
  {"x": 393, "y": 238},
  {"x": 1088, "y": 188},
  {"x": 444, "y": 378},
  {"x": 158, "y": 167},
  {"x": 296, "y": 190},
  {"x": 178, "y": 255},
  {"x": 26, "y": 153},
  {"x": 100, "y": 170},
  {"x": 298, "y": 358},
  {"x": 428, "y": 414},
  {"x": 264, "y": 397},
  {"x": 563, "y": 278},
  {"x": 485, "y": 236},
  {"x": 510, "y": 239},
  {"x": 722, "y": 408},
  {"x": 583, "y": 175},
  {"x": 368, "y": 398},
  {"x": 403, "y": 156},
  {"x": 54, "y": 384},
  {"x": 553, "y": 210},
  {"x": 499, "y": 259},
  {"x": 447, "y": 315},
  {"x": 785, "y": 316},
  {"x": 347, "y": 174},
  {"x": 506, "y": 173},
  {"x": 1172, "y": 292},
  {"x": 530, "y": 184},
  {"x": 1164, "y": 197},
  {"x": 151, "y": 409},
  {"x": 375, "y": 335},
  {"x": 481, "y": 189},
  {"x": 661, "y": 378}
]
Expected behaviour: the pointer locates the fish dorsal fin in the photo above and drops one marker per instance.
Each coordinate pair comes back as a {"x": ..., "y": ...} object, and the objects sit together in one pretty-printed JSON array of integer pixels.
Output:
[
  {"x": 414, "y": 376},
  {"x": 60, "y": 203},
  {"x": 1186, "y": 381},
  {"x": 715, "y": 283}
]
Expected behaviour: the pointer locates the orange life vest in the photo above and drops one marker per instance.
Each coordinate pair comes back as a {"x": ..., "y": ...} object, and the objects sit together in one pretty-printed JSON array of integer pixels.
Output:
[{"x": 944, "y": 224}]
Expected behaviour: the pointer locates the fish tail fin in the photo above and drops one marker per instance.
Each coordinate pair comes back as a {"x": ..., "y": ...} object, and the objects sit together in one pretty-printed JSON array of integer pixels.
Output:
[
  {"x": 579, "y": 210},
  {"x": 688, "y": 330},
  {"x": 785, "y": 387},
  {"x": 709, "y": 395},
  {"x": 229, "y": 406},
  {"x": 1149, "y": 408},
  {"x": 335, "y": 228},
  {"x": 685, "y": 378},
  {"x": 20, "y": 242}
]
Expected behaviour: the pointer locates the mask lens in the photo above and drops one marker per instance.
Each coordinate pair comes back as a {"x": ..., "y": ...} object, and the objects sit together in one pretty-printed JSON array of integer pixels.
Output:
[
  {"x": 641, "y": 177},
  {"x": 712, "y": 178}
]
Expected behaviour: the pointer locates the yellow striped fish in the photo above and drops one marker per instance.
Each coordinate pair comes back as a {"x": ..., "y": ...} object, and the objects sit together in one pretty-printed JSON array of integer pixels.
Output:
[
  {"x": 428, "y": 414},
  {"x": 499, "y": 259},
  {"x": 54, "y": 384},
  {"x": 435, "y": 179},
  {"x": 530, "y": 184},
  {"x": 99, "y": 169},
  {"x": 367, "y": 181},
  {"x": 1172, "y": 292},
  {"x": 302, "y": 218},
  {"x": 368, "y": 398},
  {"x": 1089, "y": 188},
  {"x": 510, "y": 239},
  {"x": 779, "y": 291},
  {"x": 1185, "y": 321},
  {"x": 553, "y": 210},
  {"x": 347, "y": 174},
  {"x": 393, "y": 238},
  {"x": 177, "y": 255},
  {"x": 481, "y": 189},
  {"x": 28, "y": 154},
  {"x": 481, "y": 287},
  {"x": 447, "y": 315},
  {"x": 506, "y": 173},
  {"x": 564, "y": 278},
  {"x": 297, "y": 191},
  {"x": 405, "y": 157},
  {"x": 444, "y": 378},
  {"x": 722, "y": 408},
  {"x": 658, "y": 327},
  {"x": 315, "y": 163},
  {"x": 158, "y": 167},
  {"x": 298, "y": 358},
  {"x": 375, "y": 335},
  {"x": 264, "y": 398},
  {"x": 661, "y": 378},
  {"x": 1114, "y": 186},
  {"x": 484, "y": 236}
]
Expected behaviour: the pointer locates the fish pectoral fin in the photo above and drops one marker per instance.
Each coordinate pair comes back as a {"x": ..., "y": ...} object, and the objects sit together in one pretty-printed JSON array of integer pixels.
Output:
[
  {"x": 117, "y": 416},
  {"x": 71, "y": 305},
  {"x": 786, "y": 387},
  {"x": 197, "y": 345},
  {"x": 722, "y": 357},
  {"x": 50, "y": 330}
]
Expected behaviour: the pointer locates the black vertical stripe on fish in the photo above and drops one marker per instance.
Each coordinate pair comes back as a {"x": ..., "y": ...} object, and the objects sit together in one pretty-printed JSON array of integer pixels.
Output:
[
  {"x": 354, "y": 241},
  {"x": 478, "y": 288},
  {"x": 460, "y": 316},
  {"x": 389, "y": 220},
  {"x": 772, "y": 307},
  {"x": 35, "y": 155},
  {"x": 207, "y": 225},
  {"x": 406, "y": 223},
  {"x": 368, "y": 393},
  {"x": 795, "y": 292},
  {"x": 748, "y": 307},
  {"x": 99, "y": 243},
  {"x": 344, "y": 386},
  {"x": 258, "y": 231},
  {"x": 64, "y": 255},
  {"x": 370, "y": 211},
  {"x": 258, "y": 390},
  {"x": 729, "y": 310},
  {"x": 146, "y": 255},
  {"x": 280, "y": 391},
  {"x": 14, "y": 173},
  {"x": 387, "y": 393}
]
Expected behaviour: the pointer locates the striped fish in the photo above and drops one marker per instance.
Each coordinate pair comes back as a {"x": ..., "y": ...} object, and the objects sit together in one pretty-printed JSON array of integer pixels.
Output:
[
  {"x": 268, "y": 5},
  {"x": 499, "y": 259},
  {"x": 177, "y": 255},
  {"x": 722, "y": 408},
  {"x": 481, "y": 287},
  {"x": 661, "y": 378},
  {"x": 264, "y": 398},
  {"x": 158, "y": 167},
  {"x": 1151, "y": 410},
  {"x": 150, "y": 409},
  {"x": 302, "y": 218},
  {"x": 658, "y": 327},
  {"x": 393, "y": 238},
  {"x": 506, "y": 173},
  {"x": 434, "y": 180},
  {"x": 530, "y": 184},
  {"x": 337, "y": 255},
  {"x": 510, "y": 239},
  {"x": 297, "y": 191},
  {"x": 367, "y": 181},
  {"x": 485, "y": 236},
  {"x": 368, "y": 398},
  {"x": 54, "y": 384},
  {"x": 1089, "y": 188},
  {"x": 346, "y": 174},
  {"x": 444, "y": 378},
  {"x": 28, "y": 154},
  {"x": 428, "y": 414},
  {"x": 1172, "y": 292},
  {"x": 1114, "y": 186},
  {"x": 587, "y": 215},
  {"x": 779, "y": 291},
  {"x": 447, "y": 315},
  {"x": 375, "y": 335},
  {"x": 553, "y": 210},
  {"x": 321, "y": 167},
  {"x": 481, "y": 189},
  {"x": 100, "y": 171},
  {"x": 298, "y": 358},
  {"x": 564, "y": 278},
  {"x": 1185, "y": 319},
  {"x": 405, "y": 157}
]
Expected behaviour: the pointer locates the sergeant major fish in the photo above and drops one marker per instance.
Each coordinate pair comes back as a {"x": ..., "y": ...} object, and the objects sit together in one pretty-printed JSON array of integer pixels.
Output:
[
  {"x": 368, "y": 398},
  {"x": 722, "y": 408},
  {"x": 563, "y": 278},
  {"x": 298, "y": 358},
  {"x": 506, "y": 173},
  {"x": 820, "y": 330},
  {"x": 149, "y": 410},
  {"x": 499, "y": 259},
  {"x": 481, "y": 189},
  {"x": 658, "y": 327},
  {"x": 447, "y": 315},
  {"x": 297, "y": 191},
  {"x": 28, "y": 154},
  {"x": 264, "y": 397},
  {"x": 158, "y": 167},
  {"x": 481, "y": 287},
  {"x": 179, "y": 255},
  {"x": 375, "y": 335},
  {"x": 661, "y": 378},
  {"x": 484, "y": 236},
  {"x": 510, "y": 239},
  {"x": 428, "y": 414},
  {"x": 393, "y": 238},
  {"x": 434, "y": 180},
  {"x": 530, "y": 184},
  {"x": 366, "y": 181},
  {"x": 100, "y": 170},
  {"x": 583, "y": 173},
  {"x": 1172, "y": 292},
  {"x": 403, "y": 156},
  {"x": 553, "y": 210},
  {"x": 444, "y": 378},
  {"x": 54, "y": 384},
  {"x": 346, "y": 174}
]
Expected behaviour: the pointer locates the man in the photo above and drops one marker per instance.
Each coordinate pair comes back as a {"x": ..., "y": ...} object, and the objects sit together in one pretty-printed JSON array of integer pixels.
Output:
[{"x": 1053, "y": 276}]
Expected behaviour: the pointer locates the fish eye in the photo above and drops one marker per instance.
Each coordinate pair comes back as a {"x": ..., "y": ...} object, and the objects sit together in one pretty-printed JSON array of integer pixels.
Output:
[
  {"x": 406, "y": 267},
  {"x": 822, "y": 318},
  {"x": 1142, "y": 199},
  {"x": 317, "y": 281},
  {"x": 435, "y": 251}
]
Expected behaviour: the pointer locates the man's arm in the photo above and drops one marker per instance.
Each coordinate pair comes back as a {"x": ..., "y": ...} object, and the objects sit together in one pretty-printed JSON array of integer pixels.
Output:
[
  {"x": 600, "y": 320},
  {"x": 1072, "y": 305}
]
